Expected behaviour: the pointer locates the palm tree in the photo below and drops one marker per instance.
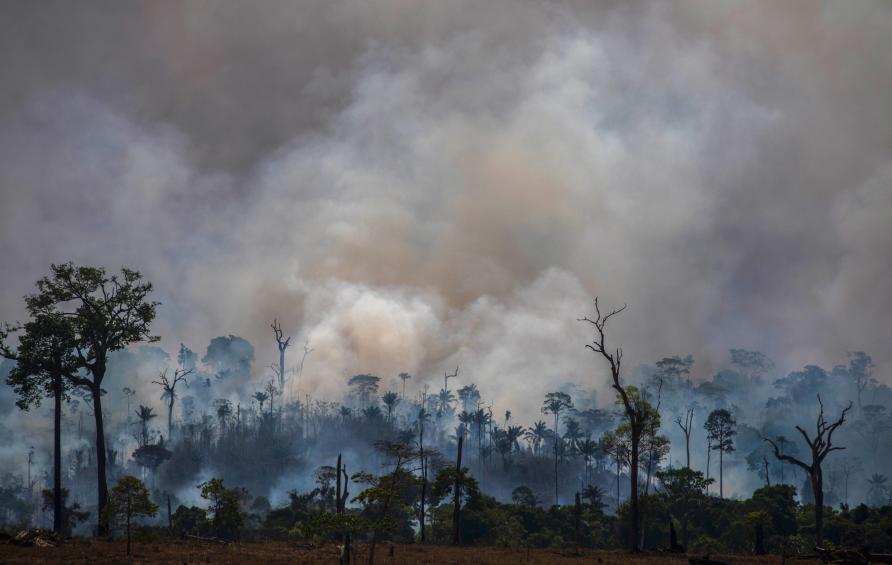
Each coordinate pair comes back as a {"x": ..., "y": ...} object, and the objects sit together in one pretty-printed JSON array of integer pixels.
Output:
[
  {"x": 536, "y": 435},
  {"x": 372, "y": 412},
  {"x": 588, "y": 449},
  {"x": 877, "y": 493},
  {"x": 144, "y": 413},
  {"x": 466, "y": 419},
  {"x": 514, "y": 434},
  {"x": 345, "y": 413},
  {"x": 595, "y": 495},
  {"x": 444, "y": 401},
  {"x": 261, "y": 397},
  {"x": 572, "y": 434},
  {"x": 469, "y": 397},
  {"x": 405, "y": 377},
  {"x": 555, "y": 403},
  {"x": 390, "y": 400}
]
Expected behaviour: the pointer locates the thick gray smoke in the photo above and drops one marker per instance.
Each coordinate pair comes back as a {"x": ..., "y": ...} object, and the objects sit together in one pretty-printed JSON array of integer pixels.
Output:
[{"x": 411, "y": 186}]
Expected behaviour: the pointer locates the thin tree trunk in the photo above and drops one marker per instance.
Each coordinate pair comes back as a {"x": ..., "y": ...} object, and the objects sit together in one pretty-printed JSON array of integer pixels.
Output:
[
  {"x": 101, "y": 480},
  {"x": 817, "y": 485},
  {"x": 57, "y": 454},
  {"x": 721, "y": 473},
  {"x": 423, "y": 482},
  {"x": 170, "y": 418},
  {"x": 281, "y": 369},
  {"x": 636, "y": 439},
  {"x": 128, "y": 524},
  {"x": 456, "y": 511}
]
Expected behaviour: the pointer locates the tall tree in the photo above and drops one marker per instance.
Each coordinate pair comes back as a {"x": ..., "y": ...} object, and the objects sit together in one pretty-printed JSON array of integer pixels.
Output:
[
  {"x": 469, "y": 397},
  {"x": 861, "y": 370},
  {"x": 169, "y": 392},
  {"x": 820, "y": 445},
  {"x": 45, "y": 361},
  {"x": 145, "y": 414},
  {"x": 404, "y": 377},
  {"x": 282, "y": 343},
  {"x": 720, "y": 426},
  {"x": 107, "y": 313},
  {"x": 536, "y": 434},
  {"x": 390, "y": 400},
  {"x": 686, "y": 428},
  {"x": 555, "y": 403},
  {"x": 636, "y": 411},
  {"x": 365, "y": 386}
]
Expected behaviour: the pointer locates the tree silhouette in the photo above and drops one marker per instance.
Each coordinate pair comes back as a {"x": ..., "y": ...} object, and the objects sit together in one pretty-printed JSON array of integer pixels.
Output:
[
  {"x": 282, "y": 344},
  {"x": 390, "y": 400},
  {"x": 365, "y": 386},
  {"x": 261, "y": 398},
  {"x": 555, "y": 403},
  {"x": 877, "y": 492},
  {"x": 469, "y": 397},
  {"x": 45, "y": 363},
  {"x": 720, "y": 430},
  {"x": 861, "y": 369},
  {"x": 820, "y": 446},
  {"x": 107, "y": 313},
  {"x": 169, "y": 392},
  {"x": 536, "y": 434},
  {"x": 686, "y": 426},
  {"x": 144, "y": 414},
  {"x": 404, "y": 377},
  {"x": 635, "y": 412}
]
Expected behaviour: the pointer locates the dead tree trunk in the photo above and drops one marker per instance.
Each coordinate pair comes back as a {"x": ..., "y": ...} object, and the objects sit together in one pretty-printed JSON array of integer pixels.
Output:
[
  {"x": 686, "y": 427},
  {"x": 456, "y": 511},
  {"x": 282, "y": 342},
  {"x": 421, "y": 519},
  {"x": 820, "y": 446},
  {"x": 635, "y": 411}
]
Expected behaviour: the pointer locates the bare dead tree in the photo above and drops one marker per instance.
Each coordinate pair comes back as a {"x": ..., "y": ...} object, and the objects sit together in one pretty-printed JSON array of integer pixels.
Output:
[
  {"x": 282, "y": 342},
  {"x": 447, "y": 376},
  {"x": 635, "y": 410},
  {"x": 456, "y": 501},
  {"x": 300, "y": 368},
  {"x": 687, "y": 426},
  {"x": 169, "y": 392},
  {"x": 820, "y": 446}
]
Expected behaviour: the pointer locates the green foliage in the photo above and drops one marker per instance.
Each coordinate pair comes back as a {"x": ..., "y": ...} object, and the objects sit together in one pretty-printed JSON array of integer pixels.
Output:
[
  {"x": 524, "y": 496},
  {"x": 129, "y": 498},
  {"x": 226, "y": 517}
]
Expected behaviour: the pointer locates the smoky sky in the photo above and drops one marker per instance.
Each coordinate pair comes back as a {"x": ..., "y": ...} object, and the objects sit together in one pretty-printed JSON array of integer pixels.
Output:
[{"x": 414, "y": 185}]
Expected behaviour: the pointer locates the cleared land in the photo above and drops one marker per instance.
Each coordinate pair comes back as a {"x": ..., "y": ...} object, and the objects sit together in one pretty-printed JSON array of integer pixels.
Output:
[{"x": 98, "y": 551}]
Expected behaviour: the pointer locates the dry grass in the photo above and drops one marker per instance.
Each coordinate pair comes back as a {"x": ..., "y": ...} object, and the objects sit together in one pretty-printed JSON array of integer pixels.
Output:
[{"x": 175, "y": 551}]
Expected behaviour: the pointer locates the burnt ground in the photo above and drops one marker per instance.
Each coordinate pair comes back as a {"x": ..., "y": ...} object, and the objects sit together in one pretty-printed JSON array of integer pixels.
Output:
[{"x": 85, "y": 550}]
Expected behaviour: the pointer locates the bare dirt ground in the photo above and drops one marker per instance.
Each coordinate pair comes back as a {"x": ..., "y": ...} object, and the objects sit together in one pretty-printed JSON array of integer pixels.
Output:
[{"x": 182, "y": 552}]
